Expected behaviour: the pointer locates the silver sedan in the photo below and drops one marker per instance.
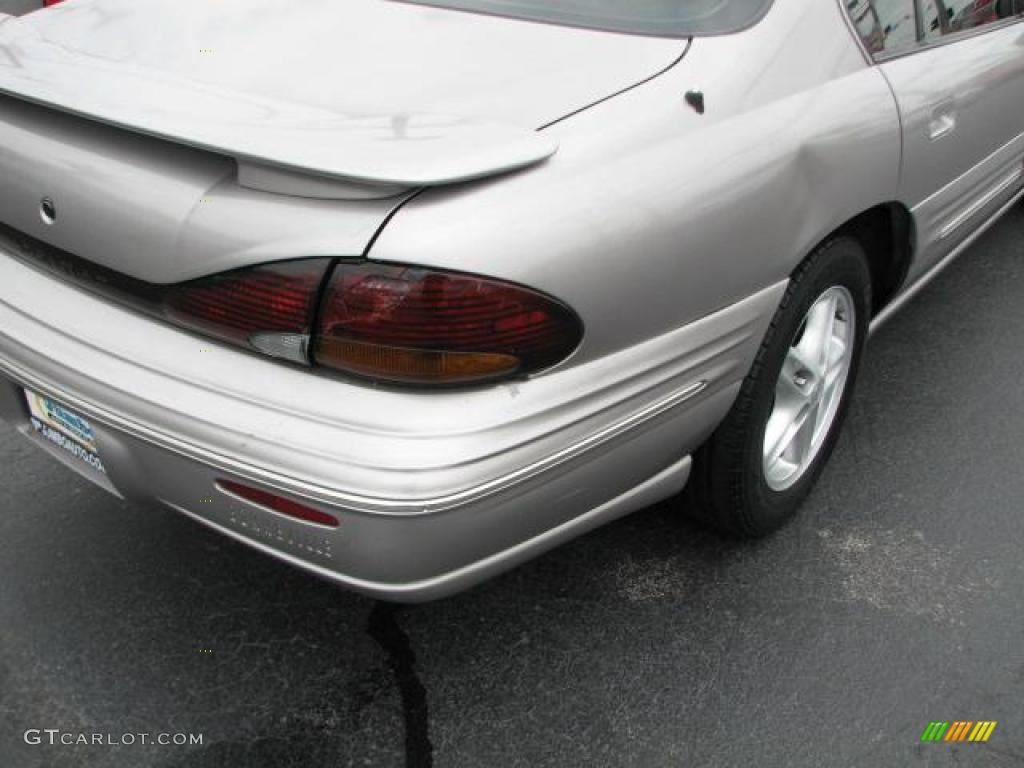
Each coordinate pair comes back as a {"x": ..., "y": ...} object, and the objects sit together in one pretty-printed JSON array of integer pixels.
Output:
[{"x": 405, "y": 293}]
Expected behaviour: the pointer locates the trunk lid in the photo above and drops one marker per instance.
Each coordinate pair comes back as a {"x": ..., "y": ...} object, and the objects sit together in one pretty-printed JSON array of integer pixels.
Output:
[
  {"x": 154, "y": 124},
  {"x": 361, "y": 90}
]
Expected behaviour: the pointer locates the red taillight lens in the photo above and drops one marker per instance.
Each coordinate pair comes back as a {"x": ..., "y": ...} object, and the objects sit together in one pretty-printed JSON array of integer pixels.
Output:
[
  {"x": 396, "y": 324},
  {"x": 409, "y": 325},
  {"x": 268, "y": 308},
  {"x": 279, "y": 504},
  {"x": 48, "y": 3}
]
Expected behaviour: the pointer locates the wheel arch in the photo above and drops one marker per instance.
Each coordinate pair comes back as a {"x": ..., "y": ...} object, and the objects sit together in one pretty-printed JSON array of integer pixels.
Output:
[{"x": 886, "y": 233}]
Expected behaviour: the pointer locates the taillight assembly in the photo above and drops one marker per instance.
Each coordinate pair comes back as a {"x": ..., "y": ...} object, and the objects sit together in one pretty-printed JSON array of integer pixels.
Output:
[
  {"x": 394, "y": 324},
  {"x": 268, "y": 308},
  {"x": 410, "y": 325}
]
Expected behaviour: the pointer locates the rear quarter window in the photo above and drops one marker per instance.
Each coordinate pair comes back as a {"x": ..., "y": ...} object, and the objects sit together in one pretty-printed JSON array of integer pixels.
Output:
[
  {"x": 661, "y": 18},
  {"x": 893, "y": 26},
  {"x": 884, "y": 25}
]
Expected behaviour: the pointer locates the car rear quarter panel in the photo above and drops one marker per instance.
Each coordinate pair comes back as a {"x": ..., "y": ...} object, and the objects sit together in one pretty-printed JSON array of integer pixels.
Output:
[{"x": 652, "y": 215}]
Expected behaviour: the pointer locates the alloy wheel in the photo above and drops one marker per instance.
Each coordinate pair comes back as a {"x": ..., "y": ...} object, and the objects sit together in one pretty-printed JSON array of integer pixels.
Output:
[{"x": 809, "y": 388}]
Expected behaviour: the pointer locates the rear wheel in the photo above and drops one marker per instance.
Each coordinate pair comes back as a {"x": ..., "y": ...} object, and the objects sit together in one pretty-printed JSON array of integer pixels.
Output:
[{"x": 761, "y": 462}]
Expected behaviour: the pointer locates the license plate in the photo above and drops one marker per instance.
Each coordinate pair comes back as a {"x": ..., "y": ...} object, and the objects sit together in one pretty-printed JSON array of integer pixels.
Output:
[{"x": 64, "y": 428}]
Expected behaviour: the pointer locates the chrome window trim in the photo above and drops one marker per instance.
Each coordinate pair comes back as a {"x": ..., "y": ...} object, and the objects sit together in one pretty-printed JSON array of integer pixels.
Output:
[
  {"x": 844, "y": 11},
  {"x": 949, "y": 39}
]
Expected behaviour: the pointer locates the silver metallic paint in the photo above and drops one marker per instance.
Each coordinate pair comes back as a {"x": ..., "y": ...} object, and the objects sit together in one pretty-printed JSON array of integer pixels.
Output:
[
  {"x": 237, "y": 81},
  {"x": 676, "y": 214},
  {"x": 156, "y": 211},
  {"x": 962, "y": 106},
  {"x": 433, "y": 493},
  {"x": 921, "y": 282},
  {"x": 374, "y": 450},
  {"x": 671, "y": 233}
]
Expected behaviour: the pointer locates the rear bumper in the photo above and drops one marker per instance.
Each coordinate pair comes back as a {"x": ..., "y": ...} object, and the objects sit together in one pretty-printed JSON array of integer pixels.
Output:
[{"x": 434, "y": 492}]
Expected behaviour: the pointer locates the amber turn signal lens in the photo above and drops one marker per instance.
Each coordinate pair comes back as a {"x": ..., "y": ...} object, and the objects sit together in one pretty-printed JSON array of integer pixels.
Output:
[
  {"x": 413, "y": 365},
  {"x": 389, "y": 323},
  {"x": 409, "y": 325}
]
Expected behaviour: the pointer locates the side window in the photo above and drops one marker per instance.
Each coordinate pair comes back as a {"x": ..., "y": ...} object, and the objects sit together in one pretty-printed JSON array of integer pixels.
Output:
[
  {"x": 884, "y": 25},
  {"x": 935, "y": 19},
  {"x": 948, "y": 17}
]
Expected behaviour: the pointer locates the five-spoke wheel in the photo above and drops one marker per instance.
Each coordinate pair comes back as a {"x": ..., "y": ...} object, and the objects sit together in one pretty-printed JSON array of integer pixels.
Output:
[
  {"x": 809, "y": 388},
  {"x": 762, "y": 461}
]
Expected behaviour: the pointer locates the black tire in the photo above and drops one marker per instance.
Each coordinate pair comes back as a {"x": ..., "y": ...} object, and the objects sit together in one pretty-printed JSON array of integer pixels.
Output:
[{"x": 728, "y": 486}]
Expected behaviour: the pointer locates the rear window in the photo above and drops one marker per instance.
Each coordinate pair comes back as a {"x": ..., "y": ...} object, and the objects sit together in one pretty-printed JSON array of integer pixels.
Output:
[{"x": 663, "y": 18}]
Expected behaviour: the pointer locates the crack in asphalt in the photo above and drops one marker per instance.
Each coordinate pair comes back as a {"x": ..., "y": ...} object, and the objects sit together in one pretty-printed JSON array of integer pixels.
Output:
[{"x": 389, "y": 635}]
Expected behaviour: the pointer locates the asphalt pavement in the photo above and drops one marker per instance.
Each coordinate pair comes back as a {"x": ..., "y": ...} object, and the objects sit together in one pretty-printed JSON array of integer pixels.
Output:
[{"x": 893, "y": 601}]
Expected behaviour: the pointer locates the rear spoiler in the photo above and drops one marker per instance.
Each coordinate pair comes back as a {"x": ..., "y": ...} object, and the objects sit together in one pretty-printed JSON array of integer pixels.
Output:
[{"x": 274, "y": 142}]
